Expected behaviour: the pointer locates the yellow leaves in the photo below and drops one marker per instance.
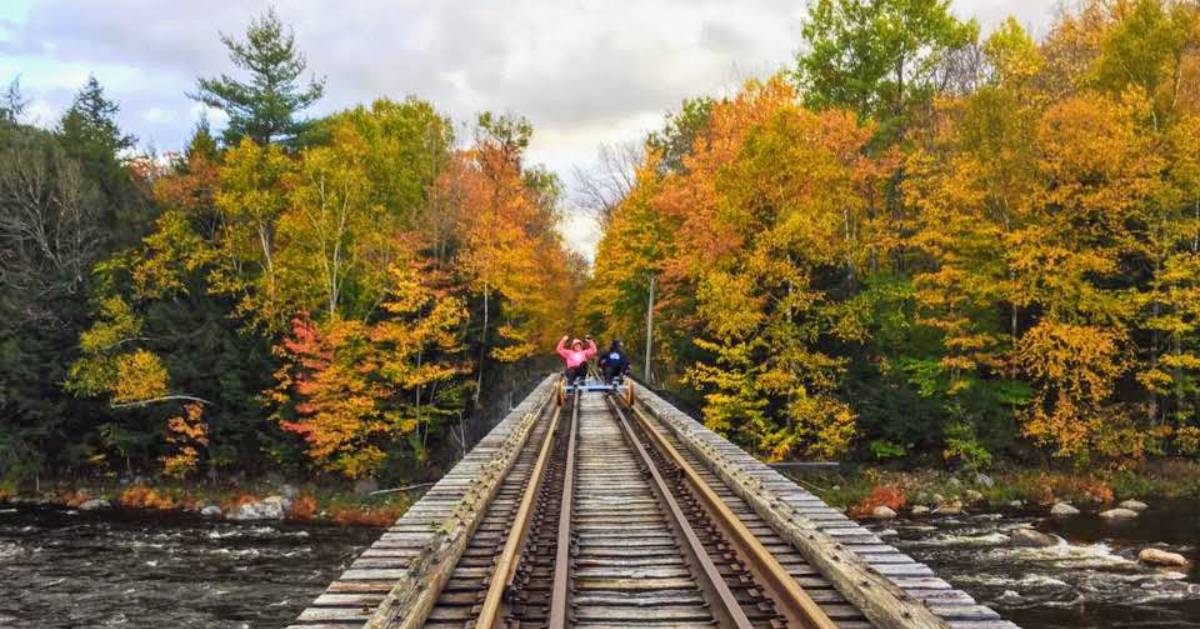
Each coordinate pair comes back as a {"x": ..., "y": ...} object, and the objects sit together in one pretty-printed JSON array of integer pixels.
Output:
[
  {"x": 354, "y": 390},
  {"x": 732, "y": 312},
  {"x": 171, "y": 252},
  {"x": 1074, "y": 368},
  {"x": 141, "y": 376},
  {"x": 116, "y": 323},
  {"x": 1013, "y": 53}
]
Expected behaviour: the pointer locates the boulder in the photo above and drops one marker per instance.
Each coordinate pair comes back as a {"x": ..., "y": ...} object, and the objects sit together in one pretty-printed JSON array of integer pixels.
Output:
[
  {"x": 1158, "y": 557},
  {"x": 883, "y": 513},
  {"x": 95, "y": 503},
  {"x": 1118, "y": 514},
  {"x": 1016, "y": 504},
  {"x": 972, "y": 496},
  {"x": 289, "y": 491},
  {"x": 920, "y": 510},
  {"x": 1031, "y": 538},
  {"x": 983, "y": 480},
  {"x": 211, "y": 511},
  {"x": 1134, "y": 505},
  {"x": 269, "y": 508},
  {"x": 953, "y": 507},
  {"x": 1062, "y": 509},
  {"x": 938, "y": 499}
]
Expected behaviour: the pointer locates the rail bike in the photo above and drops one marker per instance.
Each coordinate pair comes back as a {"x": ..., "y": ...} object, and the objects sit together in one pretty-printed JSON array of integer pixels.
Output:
[{"x": 594, "y": 382}]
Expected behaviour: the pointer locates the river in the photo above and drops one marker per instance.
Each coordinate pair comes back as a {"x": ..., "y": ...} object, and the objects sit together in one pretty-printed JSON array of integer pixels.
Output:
[
  {"x": 1090, "y": 579},
  {"x": 61, "y": 568}
]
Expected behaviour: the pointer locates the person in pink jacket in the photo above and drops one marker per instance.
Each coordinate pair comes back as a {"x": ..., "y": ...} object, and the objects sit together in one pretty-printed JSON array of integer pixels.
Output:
[{"x": 576, "y": 357}]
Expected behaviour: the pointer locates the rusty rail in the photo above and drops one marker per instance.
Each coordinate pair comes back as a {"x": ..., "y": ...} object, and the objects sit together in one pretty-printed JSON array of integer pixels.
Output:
[
  {"x": 790, "y": 599},
  {"x": 728, "y": 610},
  {"x": 502, "y": 575}
]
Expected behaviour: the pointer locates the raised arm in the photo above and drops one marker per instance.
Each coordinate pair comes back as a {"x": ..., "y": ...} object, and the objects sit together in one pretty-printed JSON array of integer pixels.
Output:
[
  {"x": 591, "y": 348},
  {"x": 562, "y": 347}
]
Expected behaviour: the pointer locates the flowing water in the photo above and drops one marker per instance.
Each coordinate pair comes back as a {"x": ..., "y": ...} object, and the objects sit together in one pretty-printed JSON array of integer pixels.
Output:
[
  {"x": 59, "y": 568},
  {"x": 1092, "y": 578}
]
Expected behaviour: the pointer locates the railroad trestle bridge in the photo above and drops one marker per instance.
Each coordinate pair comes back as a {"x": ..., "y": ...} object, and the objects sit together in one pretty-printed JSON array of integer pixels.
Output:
[{"x": 602, "y": 510}]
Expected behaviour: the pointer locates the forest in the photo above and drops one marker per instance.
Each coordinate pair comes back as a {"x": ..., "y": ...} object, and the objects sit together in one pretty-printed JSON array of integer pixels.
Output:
[{"x": 920, "y": 242}]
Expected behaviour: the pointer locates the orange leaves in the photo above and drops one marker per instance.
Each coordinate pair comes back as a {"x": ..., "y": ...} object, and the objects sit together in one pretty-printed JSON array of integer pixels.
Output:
[
  {"x": 353, "y": 390},
  {"x": 143, "y": 497},
  {"x": 186, "y": 434},
  {"x": 888, "y": 496}
]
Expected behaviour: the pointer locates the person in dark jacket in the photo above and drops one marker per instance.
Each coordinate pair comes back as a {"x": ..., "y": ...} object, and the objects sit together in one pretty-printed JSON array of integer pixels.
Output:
[{"x": 614, "y": 363}]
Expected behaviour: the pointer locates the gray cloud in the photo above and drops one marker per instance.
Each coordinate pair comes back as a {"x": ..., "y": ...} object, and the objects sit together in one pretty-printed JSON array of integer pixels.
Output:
[{"x": 585, "y": 72}]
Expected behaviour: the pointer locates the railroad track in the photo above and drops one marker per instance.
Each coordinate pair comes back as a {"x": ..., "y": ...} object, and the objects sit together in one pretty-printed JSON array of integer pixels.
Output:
[{"x": 606, "y": 513}]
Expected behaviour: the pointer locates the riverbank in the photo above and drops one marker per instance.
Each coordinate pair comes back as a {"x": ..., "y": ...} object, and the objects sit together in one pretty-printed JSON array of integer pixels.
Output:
[
  {"x": 861, "y": 490},
  {"x": 258, "y": 501}
]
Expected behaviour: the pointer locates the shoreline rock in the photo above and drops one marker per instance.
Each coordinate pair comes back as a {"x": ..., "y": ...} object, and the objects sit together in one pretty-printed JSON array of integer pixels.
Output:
[
  {"x": 883, "y": 513},
  {"x": 1134, "y": 505},
  {"x": 1118, "y": 514},
  {"x": 1063, "y": 509},
  {"x": 94, "y": 504},
  {"x": 269, "y": 508}
]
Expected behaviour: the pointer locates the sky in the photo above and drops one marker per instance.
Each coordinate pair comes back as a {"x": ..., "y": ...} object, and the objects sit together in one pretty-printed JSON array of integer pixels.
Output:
[{"x": 585, "y": 73}]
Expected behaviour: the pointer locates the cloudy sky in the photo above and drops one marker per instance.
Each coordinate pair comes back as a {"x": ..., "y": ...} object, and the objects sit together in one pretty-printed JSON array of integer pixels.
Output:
[{"x": 586, "y": 73}]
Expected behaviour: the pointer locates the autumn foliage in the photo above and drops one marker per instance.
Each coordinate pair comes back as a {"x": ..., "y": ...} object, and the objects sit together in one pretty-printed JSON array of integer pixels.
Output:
[
  {"x": 973, "y": 259},
  {"x": 888, "y": 496}
]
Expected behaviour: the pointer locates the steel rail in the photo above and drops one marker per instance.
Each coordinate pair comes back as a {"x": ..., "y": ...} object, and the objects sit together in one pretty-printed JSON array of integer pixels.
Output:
[
  {"x": 506, "y": 564},
  {"x": 559, "y": 605},
  {"x": 790, "y": 599},
  {"x": 727, "y": 606}
]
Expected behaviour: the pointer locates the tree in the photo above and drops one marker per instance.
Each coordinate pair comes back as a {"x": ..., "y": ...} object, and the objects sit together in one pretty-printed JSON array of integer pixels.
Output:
[
  {"x": 354, "y": 391},
  {"x": 265, "y": 108},
  {"x": 89, "y": 128},
  {"x": 877, "y": 57},
  {"x": 13, "y": 101}
]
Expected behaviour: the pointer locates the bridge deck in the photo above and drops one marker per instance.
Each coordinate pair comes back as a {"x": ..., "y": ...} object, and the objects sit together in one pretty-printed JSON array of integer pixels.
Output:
[{"x": 418, "y": 558}]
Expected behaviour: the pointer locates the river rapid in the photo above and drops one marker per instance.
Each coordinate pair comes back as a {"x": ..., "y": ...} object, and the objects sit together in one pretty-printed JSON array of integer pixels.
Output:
[
  {"x": 1092, "y": 578},
  {"x": 62, "y": 568}
]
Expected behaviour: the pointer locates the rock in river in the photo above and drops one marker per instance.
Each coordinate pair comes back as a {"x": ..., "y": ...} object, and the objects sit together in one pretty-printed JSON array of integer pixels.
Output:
[
  {"x": 269, "y": 508},
  {"x": 211, "y": 511},
  {"x": 1033, "y": 538},
  {"x": 1134, "y": 505},
  {"x": 95, "y": 503},
  {"x": 954, "y": 507},
  {"x": 920, "y": 510},
  {"x": 1158, "y": 557},
  {"x": 1118, "y": 514},
  {"x": 1063, "y": 509},
  {"x": 883, "y": 513}
]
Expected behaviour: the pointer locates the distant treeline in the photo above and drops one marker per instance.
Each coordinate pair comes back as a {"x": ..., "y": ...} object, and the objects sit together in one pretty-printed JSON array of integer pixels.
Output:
[
  {"x": 324, "y": 295},
  {"x": 929, "y": 244}
]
